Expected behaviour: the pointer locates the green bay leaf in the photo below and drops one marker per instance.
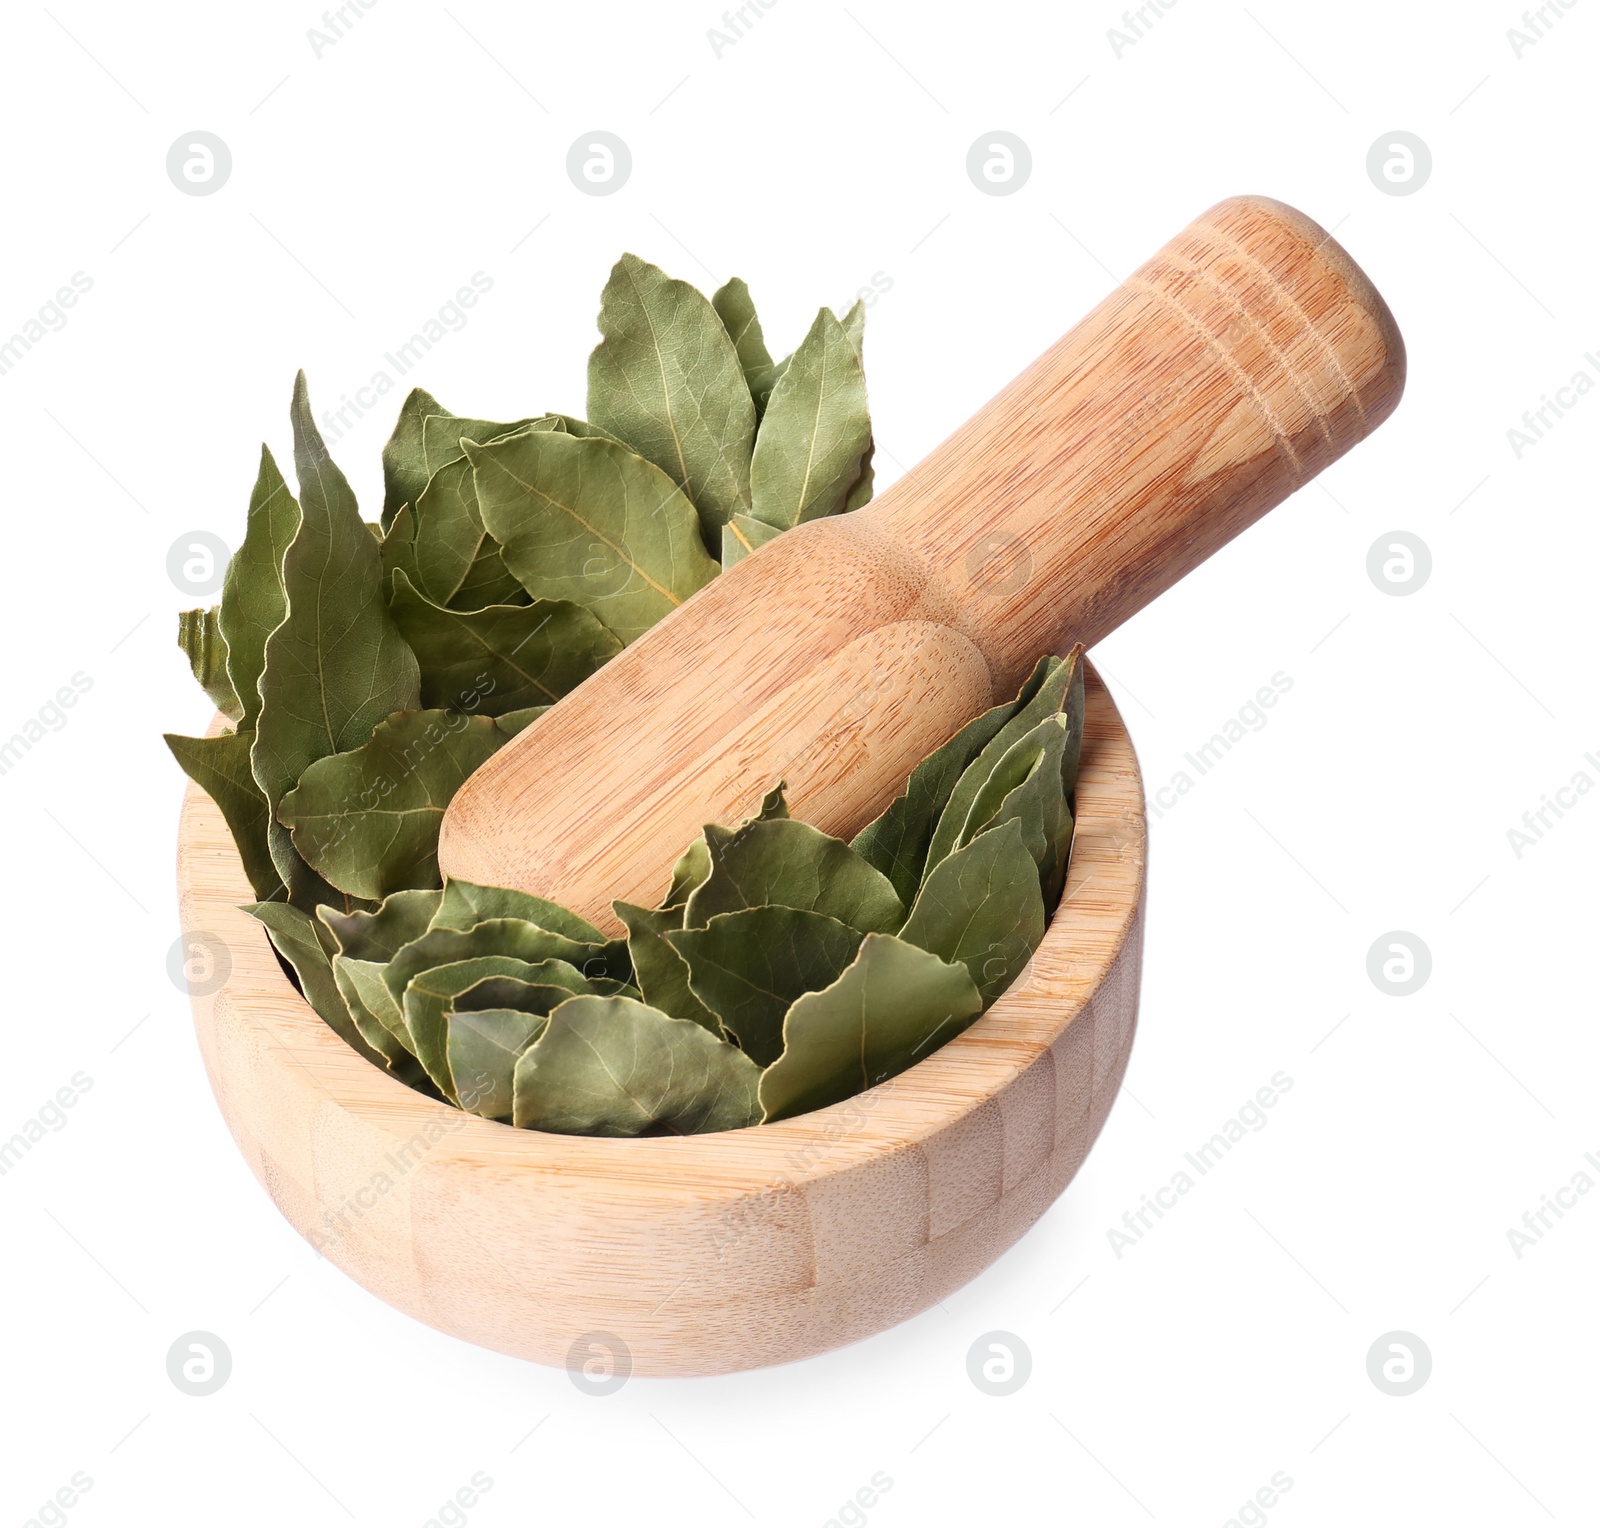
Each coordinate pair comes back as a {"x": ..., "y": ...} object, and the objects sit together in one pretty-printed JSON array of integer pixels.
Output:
[
  {"x": 336, "y": 666},
  {"x": 660, "y": 971},
  {"x": 749, "y": 967},
  {"x": 368, "y": 819},
  {"x": 785, "y": 863},
  {"x": 614, "y": 1067},
  {"x": 666, "y": 379},
  {"x": 207, "y": 651},
  {"x": 815, "y": 432},
  {"x": 585, "y": 520},
  {"x": 298, "y": 937},
  {"x": 1044, "y": 694},
  {"x": 405, "y": 466},
  {"x": 220, "y": 766},
  {"x": 897, "y": 842},
  {"x": 742, "y": 535},
  {"x": 1025, "y": 787},
  {"x": 481, "y": 1050},
  {"x": 426, "y": 437},
  {"x": 503, "y": 657},
  {"x": 253, "y": 601},
  {"x": 456, "y": 561},
  {"x": 466, "y": 904},
  {"x": 981, "y": 907},
  {"x": 510, "y": 938},
  {"x": 512, "y": 722},
  {"x": 893, "y": 1005},
  {"x": 737, "y": 310},
  {"x": 366, "y": 942},
  {"x": 427, "y": 1001}
]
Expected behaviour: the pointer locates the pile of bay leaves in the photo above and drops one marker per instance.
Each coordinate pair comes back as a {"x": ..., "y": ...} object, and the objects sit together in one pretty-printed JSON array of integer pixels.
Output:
[{"x": 367, "y": 669}]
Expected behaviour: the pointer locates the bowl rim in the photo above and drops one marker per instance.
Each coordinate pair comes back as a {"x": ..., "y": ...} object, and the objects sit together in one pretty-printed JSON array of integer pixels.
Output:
[{"x": 1099, "y": 906}]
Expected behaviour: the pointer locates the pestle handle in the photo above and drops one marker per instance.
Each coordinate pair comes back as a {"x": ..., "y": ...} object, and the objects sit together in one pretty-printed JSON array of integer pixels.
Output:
[{"x": 1230, "y": 369}]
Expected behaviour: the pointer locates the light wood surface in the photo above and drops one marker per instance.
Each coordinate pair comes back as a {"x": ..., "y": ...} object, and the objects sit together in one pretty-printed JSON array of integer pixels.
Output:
[
  {"x": 703, "y": 1254},
  {"x": 1226, "y": 372}
]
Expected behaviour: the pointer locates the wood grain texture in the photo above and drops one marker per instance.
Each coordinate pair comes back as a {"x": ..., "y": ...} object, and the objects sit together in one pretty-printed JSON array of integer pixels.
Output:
[
  {"x": 1226, "y": 372},
  {"x": 704, "y": 1254}
]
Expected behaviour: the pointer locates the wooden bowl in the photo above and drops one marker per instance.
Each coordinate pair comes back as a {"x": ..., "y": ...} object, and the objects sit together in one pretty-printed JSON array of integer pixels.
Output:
[{"x": 696, "y": 1254}]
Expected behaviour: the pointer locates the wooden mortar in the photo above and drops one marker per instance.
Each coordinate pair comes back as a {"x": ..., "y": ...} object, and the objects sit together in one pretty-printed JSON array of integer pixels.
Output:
[{"x": 703, "y": 1254}]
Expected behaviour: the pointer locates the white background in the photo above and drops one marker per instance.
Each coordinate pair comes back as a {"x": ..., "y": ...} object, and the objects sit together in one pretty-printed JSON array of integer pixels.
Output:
[{"x": 825, "y": 146}]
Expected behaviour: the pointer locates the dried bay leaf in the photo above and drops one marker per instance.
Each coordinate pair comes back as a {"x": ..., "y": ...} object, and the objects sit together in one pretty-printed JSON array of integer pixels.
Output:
[
  {"x": 511, "y": 938},
  {"x": 465, "y": 904},
  {"x": 749, "y": 967},
  {"x": 981, "y": 907},
  {"x": 897, "y": 842},
  {"x": 207, "y": 651},
  {"x": 815, "y": 432},
  {"x": 368, "y": 819},
  {"x": 861, "y": 490},
  {"x": 360, "y": 984},
  {"x": 855, "y": 327},
  {"x": 786, "y": 863},
  {"x": 1025, "y": 786},
  {"x": 690, "y": 871},
  {"x": 456, "y": 561},
  {"x": 512, "y": 722},
  {"x": 694, "y": 864},
  {"x": 443, "y": 432},
  {"x": 366, "y": 943},
  {"x": 741, "y": 536},
  {"x": 297, "y": 936},
  {"x": 493, "y": 1021},
  {"x": 583, "y": 428},
  {"x": 336, "y": 666},
  {"x": 427, "y": 1000},
  {"x": 481, "y": 1050},
  {"x": 253, "y": 601},
  {"x": 397, "y": 548},
  {"x": 436, "y": 998},
  {"x": 220, "y": 766},
  {"x": 417, "y": 449},
  {"x": 893, "y": 1005},
  {"x": 658, "y": 968},
  {"x": 585, "y": 520},
  {"x": 1072, "y": 707},
  {"x": 854, "y": 324},
  {"x": 535, "y": 989},
  {"x": 666, "y": 379},
  {"x": 1043, "y": 695},
  {"x": 378, "y": 935},
  {"x": 405, "y": 470},
  {"x": 774, "y": 804},
  {"x": 611, "y": 1066},
  {"x": 737, "y": 310},
  {"x": 370, "y": 1002},
  {"x": 503, "y": 657}
]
